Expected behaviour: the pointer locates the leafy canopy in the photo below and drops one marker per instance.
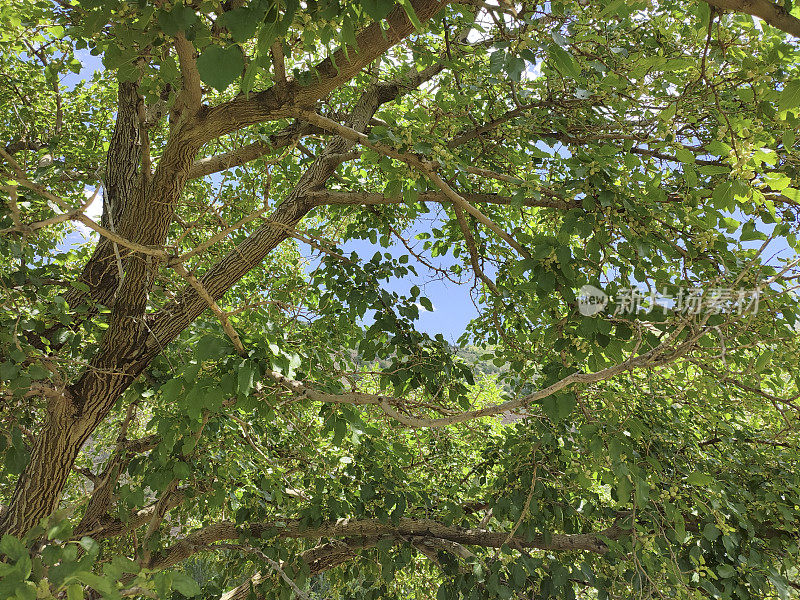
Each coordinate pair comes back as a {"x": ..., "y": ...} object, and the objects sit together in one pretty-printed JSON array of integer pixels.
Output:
[{"x": 222, "y": 393}]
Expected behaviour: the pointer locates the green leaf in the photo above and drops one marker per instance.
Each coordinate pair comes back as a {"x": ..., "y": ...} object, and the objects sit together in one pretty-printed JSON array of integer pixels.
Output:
[
  {"x": 220, "y": 67},
  {"x": 348, "y": 34},
  {"x": 412, "y": 15},
  {"x": 762, "y": 361},
  {"x": 101, "y": 584},
  {"x": 698, "y": 478},
  {"x": 563, "y": 61},
  {"x": 750, "y": 233},
  {"x": 75, "y": 592},
  {"x": 12, "y": 547},
  {"x": 181, "y": 470},
  {"x": 790, "y": 96},
  {"x": 125, "y": 564},
  {"x": 185, "y": 584},
  {"x": 36, "y": 372},
  {"x": 163, "y": 583},
  {"x": 393, "y": 189},
  {"x": 377, "y": 9},
  {"x": 267, "y": 34},
  {"x": 684, "y": 155},
  {"x": 710, "y": 532},
  {"x": 723, "y": 196},
  {"x": 668, "y": 113},
  {"x": 515, "y": 67},
  {"x": 788, "y": 139},
  {"x": 497, "y": 61},
  {"x": 170, "y": 390},
  {"x": 245, "y": 378},
  {"x": 195, "y": 402},
  {"x": 290, "y": 9},
  {"x": 780, "y": 583},
  {"x": 726, "y": 571},
  {"x": 558, "y": 408},
  {"x": 178, "y": 19},
  {"x": 87, "y": 543},
  {"x": 26, "y": 591},
  {"x": 792, "y": 194},
  {"x": 212, "y": 347},
  {"x": 624, "y": 489},
  {"x": 242, "y": 22}
]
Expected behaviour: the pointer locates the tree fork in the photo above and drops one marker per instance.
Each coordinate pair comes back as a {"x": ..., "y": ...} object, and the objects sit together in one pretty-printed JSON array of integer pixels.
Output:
[
  {"x": 120, "y": 181},
  {"x": 130, "y": 343}
]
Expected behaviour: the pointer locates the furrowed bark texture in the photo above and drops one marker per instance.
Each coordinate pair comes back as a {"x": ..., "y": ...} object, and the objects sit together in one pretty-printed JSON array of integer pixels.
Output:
[
  {"x": 120, "y": 183},
  {"x": 770, "y": 12},
  {"x": 133, "y": 338},
  {"x": 373, "y": 529},
  {"x": 121, "y": 357}
]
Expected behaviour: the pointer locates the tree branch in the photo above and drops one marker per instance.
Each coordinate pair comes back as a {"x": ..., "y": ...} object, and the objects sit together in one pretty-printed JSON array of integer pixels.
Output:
[
  {"x": 327, "y": 75},
  {"x": 323, "y": 197},
  {"x": 428, "y": 168},
  {"x": 278, "y": 62},
  {"x": 204, "y": 538},
  {"x": 660, "y": 355},
  {"x": 218, "y": 312},
  {"x": 769, "y": 12},
  {"x": 245, "y": 154},
  {"x": 319, "y": 559},
  {"x": 173, "y": 318},
  {"x": 191, "y": 93},
  {"x": 474, "y": 259}
]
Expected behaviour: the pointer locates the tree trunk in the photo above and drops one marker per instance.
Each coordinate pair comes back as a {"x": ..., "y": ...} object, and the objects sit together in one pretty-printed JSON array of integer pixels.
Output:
[
  {"x": 145, "y": 210},
  {"x": 125, "y": 354},
  {"x": 120, "y": 182}
]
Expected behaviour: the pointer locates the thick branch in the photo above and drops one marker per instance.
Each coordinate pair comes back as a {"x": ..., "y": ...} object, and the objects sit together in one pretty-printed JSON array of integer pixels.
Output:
[
  {"x": 245, "y": 154},
  {"x": 191, "y": 93},
  {"x": 171, "y": 320},
  {"x": 771, "y": 13},
  {"x": 373, "y": 528},
  {"x": 327, "y": 75}
]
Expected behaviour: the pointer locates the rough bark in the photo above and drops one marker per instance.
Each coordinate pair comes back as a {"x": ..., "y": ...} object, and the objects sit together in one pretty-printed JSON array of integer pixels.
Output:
[
  {"x": 770, "y": 12},
  {"x": 371, "y": 529},
  {"x": 120, "y": 182},
  {"x": 133, "y": 339}
]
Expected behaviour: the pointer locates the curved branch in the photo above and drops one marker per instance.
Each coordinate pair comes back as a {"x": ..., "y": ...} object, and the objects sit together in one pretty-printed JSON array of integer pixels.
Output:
[
  {"x": 371, "y": 529},
  {"x": 319, "y": 559},
  {"x": 281, "y": 139},
  {"x": 327, "y": 75},
  {"x": 660, "y": 355},
  {"x": 769, "y": 12}
]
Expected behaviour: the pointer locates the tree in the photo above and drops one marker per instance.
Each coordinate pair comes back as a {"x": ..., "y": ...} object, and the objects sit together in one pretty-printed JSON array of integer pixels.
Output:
[{"x": 220, "y": 398}]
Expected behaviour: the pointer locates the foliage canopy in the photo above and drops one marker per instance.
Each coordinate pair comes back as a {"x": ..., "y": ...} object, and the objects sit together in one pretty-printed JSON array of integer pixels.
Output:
[{"x": 218, "y": 397}]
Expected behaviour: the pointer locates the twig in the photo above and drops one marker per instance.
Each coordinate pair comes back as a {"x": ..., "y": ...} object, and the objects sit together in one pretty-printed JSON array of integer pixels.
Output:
[
  {"x": 428, "y": 168},
  {"x": 278, "y": 62},
  {"x": 272, "y": 563},
  {"x": 220, "y": 314}
]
